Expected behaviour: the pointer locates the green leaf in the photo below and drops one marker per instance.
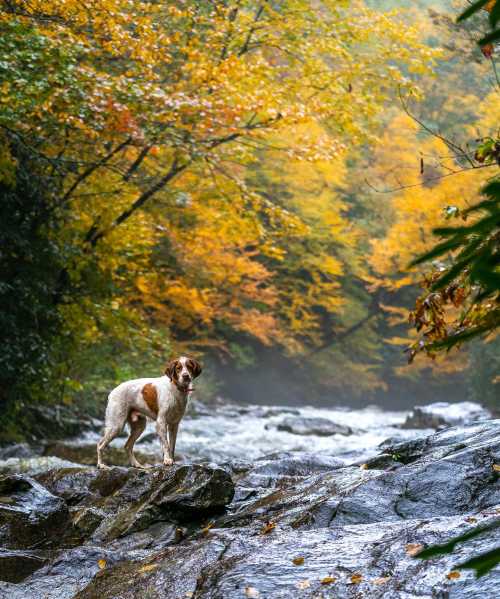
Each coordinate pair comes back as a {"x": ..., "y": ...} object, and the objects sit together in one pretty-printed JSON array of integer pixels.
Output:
[
  {"x": 483, "y": 563},
  {"x": 445, "y": 548},
  {"x": 438, "y": 250},
  {"x": 454, "y": 271},
  {"x": 492, "y": 37},
  {"x": 473, "y": 8},
  {"x": 495, "y": 14}
]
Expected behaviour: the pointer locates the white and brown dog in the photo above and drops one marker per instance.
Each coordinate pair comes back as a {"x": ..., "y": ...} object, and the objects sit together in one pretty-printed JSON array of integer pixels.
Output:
[{"x": 163, "y": 399}]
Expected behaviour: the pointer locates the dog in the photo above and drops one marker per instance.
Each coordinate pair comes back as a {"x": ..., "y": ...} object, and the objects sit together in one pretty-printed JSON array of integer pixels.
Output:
[{"x": 163, "y": 399}]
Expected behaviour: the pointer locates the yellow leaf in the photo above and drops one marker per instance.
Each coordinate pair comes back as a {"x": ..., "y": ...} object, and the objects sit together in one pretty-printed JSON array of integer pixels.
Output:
[
  {"x": 471, "y": 519},
  {"x": 413, "y": 548},
  {"x": 102, "y": 564},
  {"x": 364, "y": 466},
  {"x": 205, "y": 530},
  {"x": 356, "y": 578},
  {"x": 496, "y": 467},
  {"x": 298, "y": 561},
  {"x": 148, "y": 568},
  {"x": 453, "y": 575},
  {"x": 328, "y": 580}
]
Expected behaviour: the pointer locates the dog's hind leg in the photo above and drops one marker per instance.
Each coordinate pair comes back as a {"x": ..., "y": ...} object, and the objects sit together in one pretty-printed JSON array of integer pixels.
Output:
[
  {"x": 115, "y": 421},
  {"x": 137, "y": 424}
]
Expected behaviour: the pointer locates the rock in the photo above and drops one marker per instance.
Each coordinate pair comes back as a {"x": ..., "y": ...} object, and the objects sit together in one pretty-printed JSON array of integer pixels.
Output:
[
  {"x": 50, "y": 422},
  {"x": 107, "y": 504},
  {"x": 19, "y": 450},
  {"x": 178, "y": 572},
  {"x": 15, "y": 565},
  {"x": 445, "y": 474},
  {"x": 176, "y": 532},
  {"x": 86, "y": 454},
  {"x": 322, "y": 427},
  {"x": 67, "y": 574},
  {"x": 30, "y": 517},
  {"x": 187, "y": 493},
  {"x": 442, "y": 414},
  {"x": 85, "y": 486},
  {"x": 33, "y": 465}
]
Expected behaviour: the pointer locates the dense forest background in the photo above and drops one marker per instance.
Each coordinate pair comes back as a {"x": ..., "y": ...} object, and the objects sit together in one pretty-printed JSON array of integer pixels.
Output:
[{"x": 246, "y": 182}]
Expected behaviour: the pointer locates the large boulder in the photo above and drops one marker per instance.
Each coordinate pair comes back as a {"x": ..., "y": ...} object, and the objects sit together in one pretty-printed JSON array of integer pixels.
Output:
[
  {"x": 181, "y": 494},
  {"x": 29, "y": 514},
  {"x": 321, "y": 427},
  {"x": 32, "y": 521},
  {"x": 442, "y": 414}
]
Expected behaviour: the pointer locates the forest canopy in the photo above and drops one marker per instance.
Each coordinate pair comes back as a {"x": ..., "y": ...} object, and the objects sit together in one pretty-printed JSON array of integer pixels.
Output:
[{"x": 206, "y": 177}]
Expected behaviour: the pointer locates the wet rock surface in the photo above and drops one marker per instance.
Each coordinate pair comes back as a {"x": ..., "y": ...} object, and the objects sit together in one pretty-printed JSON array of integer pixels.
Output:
[
  {"x": 322, "y": 427},
  {"x": 442, "y": 414},
  {"x": 287, "y": 524}
]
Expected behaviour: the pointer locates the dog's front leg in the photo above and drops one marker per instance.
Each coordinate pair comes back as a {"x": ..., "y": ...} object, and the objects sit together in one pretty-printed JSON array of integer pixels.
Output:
[
  {"x": 172, "y": 437},
  {"x": 161, "y": 429}
]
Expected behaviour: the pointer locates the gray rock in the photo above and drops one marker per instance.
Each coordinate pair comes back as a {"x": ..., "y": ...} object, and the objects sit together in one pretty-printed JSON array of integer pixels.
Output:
[
  {"x": 16, "y": 564},
  {"x": 322, "y": 427},
  {"x": 443, "y": 414},
  {"x": 86, "y": 454},
  {"x": 145, "y": 533},
  {"x": 30, "y": 516}
]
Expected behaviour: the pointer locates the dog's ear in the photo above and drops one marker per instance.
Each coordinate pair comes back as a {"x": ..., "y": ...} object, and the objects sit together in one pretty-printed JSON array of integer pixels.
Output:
[
  {"x": 170, "y": 369},
  {"x": 194, "y": 366}
]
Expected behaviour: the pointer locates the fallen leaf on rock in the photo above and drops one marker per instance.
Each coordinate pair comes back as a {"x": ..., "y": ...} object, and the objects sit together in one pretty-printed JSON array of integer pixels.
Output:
[
  {"x": 496, "y": 467},
  {"x": 382, "y": 580},
  {"x": 364, "y": 466},
  {"x": 148, "y": 568},
  {"x": 189, "y": 594},
  {"x": 471, "y": 519},
  {"x": 102, "y": 564},
  {"x": 304, "y": 584},
  {"x": 298, "y": 561},
  {"x": 267, "y": 528},
  {"x": 328, "y": 580},
  {"x": 453, "y": 575},
  {"x": 356, "y": 578},
  {"x": 206, "y": 529},
  {"x": 251, "y": 592},
  {"x": 413, "y": 548}
]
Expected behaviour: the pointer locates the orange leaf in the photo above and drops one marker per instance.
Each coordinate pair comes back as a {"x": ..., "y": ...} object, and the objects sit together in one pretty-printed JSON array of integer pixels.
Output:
[
  {"x": 298, "y": 561},
  {"x": 328, "y": 580},
  {"x": 413, "y": 548},
  {"x": 453, "y": 575},
  {"x": 356, "y": 578},
  {"x": 267, "y": 528}
]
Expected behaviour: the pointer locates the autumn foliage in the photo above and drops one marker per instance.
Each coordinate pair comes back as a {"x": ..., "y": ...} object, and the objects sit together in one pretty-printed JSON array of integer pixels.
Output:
[{"x": 198, "y": 170}]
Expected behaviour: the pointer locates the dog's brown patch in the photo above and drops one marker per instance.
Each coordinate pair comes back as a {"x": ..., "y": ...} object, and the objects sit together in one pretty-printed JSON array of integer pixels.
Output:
[
  {"x": 194, "y": 367},
  {"x": 172, "y": 368},
  {"x": 151, "y": 397}
]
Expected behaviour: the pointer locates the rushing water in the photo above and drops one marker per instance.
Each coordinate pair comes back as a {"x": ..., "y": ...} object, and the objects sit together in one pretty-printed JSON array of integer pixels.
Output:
[{"x": 247, "y": 433}]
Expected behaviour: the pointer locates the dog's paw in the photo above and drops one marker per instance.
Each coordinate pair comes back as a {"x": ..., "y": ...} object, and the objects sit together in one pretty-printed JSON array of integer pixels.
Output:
[{"x": 103, "y": 467}]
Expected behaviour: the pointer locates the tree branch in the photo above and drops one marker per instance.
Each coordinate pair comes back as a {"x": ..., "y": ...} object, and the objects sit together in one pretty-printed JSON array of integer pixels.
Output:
[{"x": 93, "y": 167}]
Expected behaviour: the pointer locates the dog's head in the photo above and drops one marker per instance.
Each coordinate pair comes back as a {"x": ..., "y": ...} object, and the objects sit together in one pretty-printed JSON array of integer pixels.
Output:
[{"x": 182, "y": 371}]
